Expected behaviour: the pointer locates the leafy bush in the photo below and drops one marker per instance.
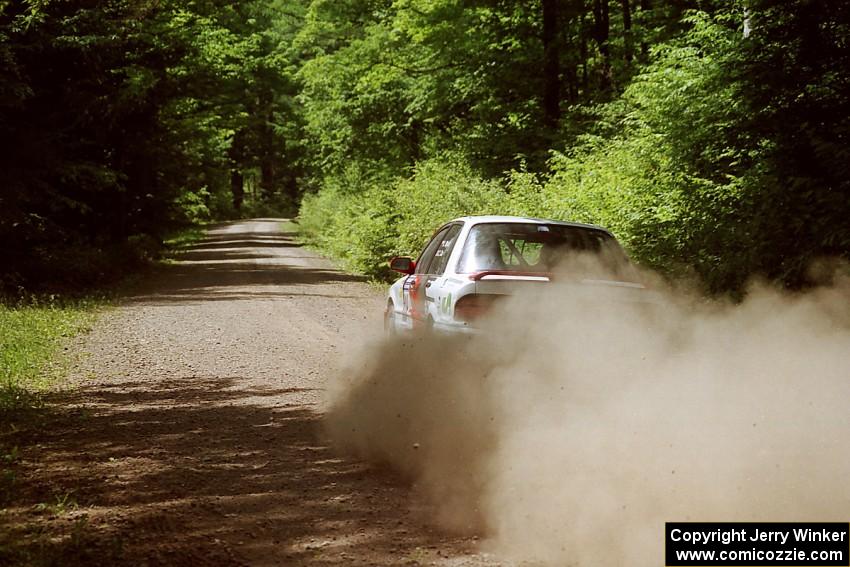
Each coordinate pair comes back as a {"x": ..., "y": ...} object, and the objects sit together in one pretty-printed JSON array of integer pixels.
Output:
[
  {"x": 193, "y": 206},
  {"x": 710, "y": 161},
  {"x": 660, "y": 169},
  {"x": 365, "y": 220}
]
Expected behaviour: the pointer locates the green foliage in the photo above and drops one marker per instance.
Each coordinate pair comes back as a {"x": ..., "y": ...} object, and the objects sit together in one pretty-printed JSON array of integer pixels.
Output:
[
  {"x": 364, "y": 221},
  {"x": 664, "y": 172},
  {"x": 124, "y": 119},
  {"x": 415, "y": 78},
  {"x": 708, "y": 161},
  {"x": 702, "y": 149},
  {"x": 793, "y": 83},
  {"x": 193, "y": 207},
  {"x": 184, "y": 237},
  {"x": 692, "y": 174},
  {"x": 30, "y": 335}
]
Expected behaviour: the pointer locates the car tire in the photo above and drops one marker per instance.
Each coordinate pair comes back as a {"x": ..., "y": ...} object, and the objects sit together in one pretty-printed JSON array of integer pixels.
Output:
[{"x": 390, "y": 328}]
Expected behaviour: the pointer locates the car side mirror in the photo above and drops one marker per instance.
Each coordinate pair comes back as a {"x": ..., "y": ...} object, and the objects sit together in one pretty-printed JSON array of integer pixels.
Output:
[{"x": 403, "y": 264}]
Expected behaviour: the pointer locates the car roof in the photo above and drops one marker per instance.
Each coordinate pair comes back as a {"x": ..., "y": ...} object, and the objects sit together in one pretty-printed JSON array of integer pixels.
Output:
[{"x": 481, "y": 219}]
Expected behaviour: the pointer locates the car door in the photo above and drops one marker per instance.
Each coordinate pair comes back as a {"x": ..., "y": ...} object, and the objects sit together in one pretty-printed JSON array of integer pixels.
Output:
[
  {"x": 436, "y": 291},
  {"x": 413, "y": 290}
]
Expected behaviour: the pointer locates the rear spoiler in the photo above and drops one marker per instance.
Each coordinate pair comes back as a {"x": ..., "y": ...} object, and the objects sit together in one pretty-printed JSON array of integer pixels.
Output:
[{"x": 511, "y": 275}]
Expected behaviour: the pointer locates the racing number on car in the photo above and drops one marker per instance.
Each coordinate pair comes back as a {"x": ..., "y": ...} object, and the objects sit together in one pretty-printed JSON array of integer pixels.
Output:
[{"x": 446, "y": 303}]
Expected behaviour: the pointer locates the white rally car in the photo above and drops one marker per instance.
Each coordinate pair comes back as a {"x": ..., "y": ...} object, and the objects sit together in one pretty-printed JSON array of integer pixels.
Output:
[{"x": 472, "y": 262}]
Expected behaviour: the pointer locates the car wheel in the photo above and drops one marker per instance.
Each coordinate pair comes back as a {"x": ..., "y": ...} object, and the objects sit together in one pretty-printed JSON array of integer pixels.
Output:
[{"x": 390, "y": 328}]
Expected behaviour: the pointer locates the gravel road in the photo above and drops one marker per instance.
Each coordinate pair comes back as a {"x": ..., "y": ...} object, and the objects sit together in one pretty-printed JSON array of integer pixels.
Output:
[{"x": 196, "y": 438}]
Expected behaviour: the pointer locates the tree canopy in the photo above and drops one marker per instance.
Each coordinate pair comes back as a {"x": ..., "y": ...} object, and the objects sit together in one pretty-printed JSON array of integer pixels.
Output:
[{"x": 710, "y": 136}]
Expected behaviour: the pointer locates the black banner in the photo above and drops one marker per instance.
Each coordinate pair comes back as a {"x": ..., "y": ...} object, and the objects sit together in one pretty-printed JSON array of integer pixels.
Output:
[{"x": 820, "y": 544}]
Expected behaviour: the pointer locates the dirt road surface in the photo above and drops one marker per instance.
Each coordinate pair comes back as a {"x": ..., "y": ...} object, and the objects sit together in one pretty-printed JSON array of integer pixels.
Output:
[{"x": 196, "y": 435}]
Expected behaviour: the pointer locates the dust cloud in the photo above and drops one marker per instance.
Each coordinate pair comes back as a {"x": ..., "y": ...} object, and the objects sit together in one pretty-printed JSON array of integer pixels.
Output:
[{"x": 586, "y": 416}]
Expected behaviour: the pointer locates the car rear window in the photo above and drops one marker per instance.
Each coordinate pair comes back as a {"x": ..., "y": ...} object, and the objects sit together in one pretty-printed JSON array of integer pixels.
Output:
[{"x": 533, "y": 247}]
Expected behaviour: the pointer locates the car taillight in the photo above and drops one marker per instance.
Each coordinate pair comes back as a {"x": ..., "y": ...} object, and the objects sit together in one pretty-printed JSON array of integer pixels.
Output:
[{"x": 472, "y": 307}]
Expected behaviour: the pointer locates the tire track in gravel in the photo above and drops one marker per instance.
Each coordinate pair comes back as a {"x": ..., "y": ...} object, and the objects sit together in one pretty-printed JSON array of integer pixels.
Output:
[{"x": 200, "y": 441}]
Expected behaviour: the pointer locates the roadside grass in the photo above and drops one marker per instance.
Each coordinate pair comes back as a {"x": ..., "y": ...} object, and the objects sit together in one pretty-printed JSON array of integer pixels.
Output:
[
  {"x": 61, "y": 504},
  {"x": 35, "y": 330},
  {"x": 32, "y": 362},
  {"x": 178, "y": 240},
  {"x": 32, "y": 334},
  {"x": 185, "y": 236}
]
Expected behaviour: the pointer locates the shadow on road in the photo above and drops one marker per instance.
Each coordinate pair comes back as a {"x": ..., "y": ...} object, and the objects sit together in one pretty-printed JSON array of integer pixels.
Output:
[
  {"x": 227, "y": 266},
  {"x": 196, "y": 439},
  {"x": 198, "y": 471}
]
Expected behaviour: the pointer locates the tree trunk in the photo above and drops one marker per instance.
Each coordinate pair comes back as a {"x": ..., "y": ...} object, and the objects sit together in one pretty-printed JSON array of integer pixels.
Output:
[
  {"x": 644, "y": 47},
  {"x": 267, "y": 177},
  {"x": 237, "y": 188},
  {"x": 414, "y": 143},
  {"x": 627, "y": 30},
  {"x": 583, "y": 50},
  {"x": 601, "y": 34},
  {"x": 551, "y": 65},
  {"x": 236, "y": 155},
  {"x": 268, "y": 173}
]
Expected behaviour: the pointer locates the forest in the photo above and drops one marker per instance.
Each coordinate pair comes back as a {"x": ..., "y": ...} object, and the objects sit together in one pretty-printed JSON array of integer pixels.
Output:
[{"x": 711, "y": 136}]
